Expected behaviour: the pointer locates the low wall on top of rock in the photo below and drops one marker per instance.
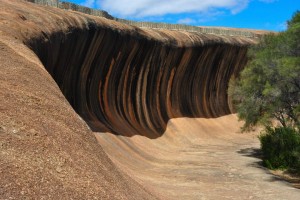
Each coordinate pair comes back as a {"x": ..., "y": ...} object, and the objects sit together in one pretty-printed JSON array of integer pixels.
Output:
[{"x": 152, "y": 25}]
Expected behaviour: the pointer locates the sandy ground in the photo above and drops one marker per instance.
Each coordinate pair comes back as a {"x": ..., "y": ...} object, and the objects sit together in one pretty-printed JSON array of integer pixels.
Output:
[{"x": 198, "y": 159}]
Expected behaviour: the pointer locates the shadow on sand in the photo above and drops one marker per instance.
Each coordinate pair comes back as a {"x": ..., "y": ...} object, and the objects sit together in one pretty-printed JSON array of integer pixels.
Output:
[{"x": 276, "y": 175}]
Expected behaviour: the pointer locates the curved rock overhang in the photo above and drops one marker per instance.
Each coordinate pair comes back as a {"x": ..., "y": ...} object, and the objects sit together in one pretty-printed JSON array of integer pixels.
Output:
[
  {"x": 128, "y": 80},
  {"x": 118, "y": 78},
  {"x": 132, "y": 81}
]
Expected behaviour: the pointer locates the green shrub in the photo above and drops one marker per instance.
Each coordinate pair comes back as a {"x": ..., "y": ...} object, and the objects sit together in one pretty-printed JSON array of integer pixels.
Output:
[{"x": 281, "y": 148}]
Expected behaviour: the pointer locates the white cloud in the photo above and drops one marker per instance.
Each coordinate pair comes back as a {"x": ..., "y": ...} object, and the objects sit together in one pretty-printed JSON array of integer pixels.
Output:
[
  {"x": 150, "y": 8},
  {"x": 282, "y": 26},
  {"x": 89, "y": 3},
  {"x": 186, "y": 21}
]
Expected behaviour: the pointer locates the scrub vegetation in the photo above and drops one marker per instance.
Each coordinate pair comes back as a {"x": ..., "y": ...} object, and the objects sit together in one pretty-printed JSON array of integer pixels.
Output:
[{"x": 267, "y": 93}]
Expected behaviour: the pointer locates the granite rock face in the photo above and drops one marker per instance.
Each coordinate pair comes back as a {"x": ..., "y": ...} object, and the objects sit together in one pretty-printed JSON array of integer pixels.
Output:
[
  {"x": 131, "y": 81},
  {"x": 117, "y": 77}
]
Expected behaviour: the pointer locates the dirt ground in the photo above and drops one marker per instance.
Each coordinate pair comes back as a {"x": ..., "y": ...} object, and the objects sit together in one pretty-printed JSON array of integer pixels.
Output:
[{"x": 199, "y": 159}]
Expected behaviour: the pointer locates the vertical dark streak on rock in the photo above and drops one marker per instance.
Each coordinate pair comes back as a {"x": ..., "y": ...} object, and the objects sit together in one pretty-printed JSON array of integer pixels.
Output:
[{"x": 129, "y": 84}]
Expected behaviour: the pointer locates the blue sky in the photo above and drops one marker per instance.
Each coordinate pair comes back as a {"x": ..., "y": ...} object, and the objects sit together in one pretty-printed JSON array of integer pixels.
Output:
[{"x": 253, "y": 14}]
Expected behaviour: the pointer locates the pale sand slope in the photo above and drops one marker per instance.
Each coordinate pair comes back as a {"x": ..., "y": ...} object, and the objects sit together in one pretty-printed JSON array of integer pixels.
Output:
[{"x": 198, "y": 159}]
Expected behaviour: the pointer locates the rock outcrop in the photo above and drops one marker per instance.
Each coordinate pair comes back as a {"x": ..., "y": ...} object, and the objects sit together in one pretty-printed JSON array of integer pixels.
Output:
[
  {"x": 118, "y": 78},
  {"x": 130, "y": 81}
]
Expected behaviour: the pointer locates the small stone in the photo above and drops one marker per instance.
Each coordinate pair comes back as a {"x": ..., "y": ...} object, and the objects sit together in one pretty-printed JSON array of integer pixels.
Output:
[{"x": 59, "y": 169}]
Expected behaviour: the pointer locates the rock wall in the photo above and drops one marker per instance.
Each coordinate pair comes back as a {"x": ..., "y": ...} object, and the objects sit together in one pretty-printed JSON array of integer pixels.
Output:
[
  {"x": 129, "y": 82},
  {"x": 118, "y": 78},
  {"x": 46, "y": 150},
  {"x": 53, "y": 3}
]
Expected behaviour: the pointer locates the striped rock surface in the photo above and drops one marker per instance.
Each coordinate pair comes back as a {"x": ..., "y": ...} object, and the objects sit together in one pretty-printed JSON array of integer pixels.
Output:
[{"x": 66, "y": 77}]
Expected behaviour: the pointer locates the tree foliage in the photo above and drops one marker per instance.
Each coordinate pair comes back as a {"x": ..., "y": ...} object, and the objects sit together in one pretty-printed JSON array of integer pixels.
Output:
[
  {"x": 269, "y": 86},
  {"x": 281, "y": 148}
]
